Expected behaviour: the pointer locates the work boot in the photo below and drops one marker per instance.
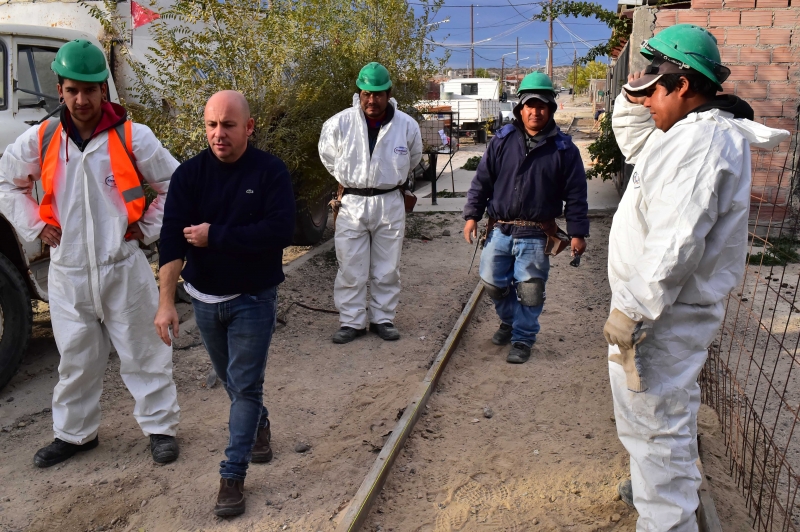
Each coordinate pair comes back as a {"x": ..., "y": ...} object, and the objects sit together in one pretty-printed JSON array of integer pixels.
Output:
[
  {"x": 347, "y": 334},
  {"x": 230, "y": 500},
  {"x": 387, "y": 331},
  {"x": 503, "y": 335},
  {"x": 625, "y": 490},
  {"x": 163, "y": 448},
  {"x": 60, "y": 450},
  {"x": 519, "y": 354},
  {"x": 262, "y": 452}
]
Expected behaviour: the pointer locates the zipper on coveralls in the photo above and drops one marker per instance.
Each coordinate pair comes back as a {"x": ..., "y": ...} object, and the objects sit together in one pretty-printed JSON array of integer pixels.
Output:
[{"x": 88, "y": 234}]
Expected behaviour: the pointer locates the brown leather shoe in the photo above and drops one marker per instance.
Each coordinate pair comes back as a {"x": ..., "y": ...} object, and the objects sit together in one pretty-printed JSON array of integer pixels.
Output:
[
  {"x": 230, "y": 500},
  {"x": 262, "y": 452}
]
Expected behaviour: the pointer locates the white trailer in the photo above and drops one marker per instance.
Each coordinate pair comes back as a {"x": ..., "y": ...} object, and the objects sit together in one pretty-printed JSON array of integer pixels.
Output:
[
  {"x": 470, "y": 89},
  {"x": 469, "y": 110}
]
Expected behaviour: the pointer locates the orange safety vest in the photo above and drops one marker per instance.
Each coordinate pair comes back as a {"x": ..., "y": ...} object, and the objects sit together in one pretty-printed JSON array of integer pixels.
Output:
[{"x": 123, "y": 166}]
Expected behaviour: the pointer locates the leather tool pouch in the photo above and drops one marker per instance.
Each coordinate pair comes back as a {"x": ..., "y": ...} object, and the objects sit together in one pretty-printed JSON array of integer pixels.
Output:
[
  {"x": 557, "y": 240},
  {"x": 409, "y": 199}
]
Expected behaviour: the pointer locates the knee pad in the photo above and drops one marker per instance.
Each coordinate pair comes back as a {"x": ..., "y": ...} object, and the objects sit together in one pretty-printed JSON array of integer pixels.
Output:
[
  {"x": 531, "y": 293},
  {"x": 495, "y": 292}
]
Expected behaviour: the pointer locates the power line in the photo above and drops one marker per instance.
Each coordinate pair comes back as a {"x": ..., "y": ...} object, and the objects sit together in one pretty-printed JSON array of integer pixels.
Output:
[
  {"x": 481, "y": 6},
  {"x": 490, "y": 46},
  {"x": 596, "y": 23},
  {"x": 515, "y": 8},
  {"x": 573, "y": 34}
]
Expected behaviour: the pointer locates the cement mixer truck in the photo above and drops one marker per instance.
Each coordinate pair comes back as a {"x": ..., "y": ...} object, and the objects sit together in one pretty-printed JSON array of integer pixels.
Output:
[{"x": 30, "y": 35}]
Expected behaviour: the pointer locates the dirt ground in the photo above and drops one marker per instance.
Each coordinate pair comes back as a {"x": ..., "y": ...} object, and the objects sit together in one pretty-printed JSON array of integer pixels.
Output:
[
  {"x": 504, "y": 447},
  {"x": 501, "y": 447}
]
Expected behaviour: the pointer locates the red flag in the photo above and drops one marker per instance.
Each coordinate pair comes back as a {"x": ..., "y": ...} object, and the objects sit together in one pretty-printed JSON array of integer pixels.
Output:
[{"x": 141, "y": 15}]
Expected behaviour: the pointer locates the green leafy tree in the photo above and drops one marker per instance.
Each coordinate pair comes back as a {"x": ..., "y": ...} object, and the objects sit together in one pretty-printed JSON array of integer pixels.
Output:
[
  {"x": 605, "y": 152},
  {"x": 592, "y": 70},
  {"x": 620, "y": 28},
  {"x": 296, "y": 62},
  {"x": 482, "y": 73}
]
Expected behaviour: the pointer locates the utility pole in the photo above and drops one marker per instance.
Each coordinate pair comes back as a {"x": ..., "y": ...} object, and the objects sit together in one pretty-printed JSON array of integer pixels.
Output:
[
  {"x": 550, "y": 45},
  {"x": 574, "y": 74},
  {"x": 516, "y": 70},
  {"x": 537, "y": 61},
  {"x": 502, "y": 75},
  {"x": 472, "y": 43}
]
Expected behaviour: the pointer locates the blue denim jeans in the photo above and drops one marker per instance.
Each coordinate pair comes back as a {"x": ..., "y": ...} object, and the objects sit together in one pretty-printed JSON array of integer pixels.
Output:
[
  {"x": 236, "y": 334},
  {"x": 505, "y": 262}
]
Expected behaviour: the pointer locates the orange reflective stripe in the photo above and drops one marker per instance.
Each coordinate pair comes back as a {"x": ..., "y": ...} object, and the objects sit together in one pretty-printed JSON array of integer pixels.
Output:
[
  {"x": 125, "y": 173},
  {"x": 49, "y": 167}
]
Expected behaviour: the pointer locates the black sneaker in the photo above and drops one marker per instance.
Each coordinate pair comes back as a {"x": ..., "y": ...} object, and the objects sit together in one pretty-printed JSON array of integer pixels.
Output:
[
  {"x": 625, "y": 490},
  {"x": 59, "y": 450},
  {"x": 163, "y": 448},
  {"x": 387, "y": 331},
  {"x": 503, "y": 335},
  {"x": 347, "y": 334},
  {"x": 519, "y": 354}
]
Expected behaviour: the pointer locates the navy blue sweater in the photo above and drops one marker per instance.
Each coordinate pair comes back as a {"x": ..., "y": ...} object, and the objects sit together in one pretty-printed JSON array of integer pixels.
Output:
[
  {"x": 250, "y": 206},
  {"x": 512, "y": 183}
]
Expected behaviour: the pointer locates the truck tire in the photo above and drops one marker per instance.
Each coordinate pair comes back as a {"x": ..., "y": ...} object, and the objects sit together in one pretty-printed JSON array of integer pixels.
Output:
[
  {"x": 16, "y": 319},
  {"x": 310, "y": 220}
]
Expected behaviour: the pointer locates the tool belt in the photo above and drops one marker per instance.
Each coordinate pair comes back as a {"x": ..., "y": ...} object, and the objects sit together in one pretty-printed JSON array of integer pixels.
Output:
[
  {"x": 557, "y": 240},
  {"x": 409, "y": 199},
  {"x": 521, "y": 223},
  {"x": 369, "y": 192}
]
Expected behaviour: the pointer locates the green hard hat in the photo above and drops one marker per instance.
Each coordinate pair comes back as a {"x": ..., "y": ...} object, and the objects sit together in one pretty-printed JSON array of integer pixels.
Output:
[
  {"x": 688, "y": 46},
  {"x": 374, "y": 78},
  {"x": 80, "y": 60},
  {"x": 536, "y": 81}
]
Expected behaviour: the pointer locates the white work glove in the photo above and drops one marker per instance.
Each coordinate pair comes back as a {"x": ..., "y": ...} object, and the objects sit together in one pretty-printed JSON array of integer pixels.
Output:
[{"x": 625, "y": 333}]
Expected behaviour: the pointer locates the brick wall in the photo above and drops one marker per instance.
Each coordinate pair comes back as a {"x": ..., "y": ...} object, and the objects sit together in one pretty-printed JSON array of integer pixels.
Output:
[{"x": 760, "y": 41}]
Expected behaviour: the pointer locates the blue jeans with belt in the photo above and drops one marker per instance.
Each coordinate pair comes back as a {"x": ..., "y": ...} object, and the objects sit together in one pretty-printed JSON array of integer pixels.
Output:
[
  {"x": 237, "y": 334},
  {"x": 506, "y": 262}
]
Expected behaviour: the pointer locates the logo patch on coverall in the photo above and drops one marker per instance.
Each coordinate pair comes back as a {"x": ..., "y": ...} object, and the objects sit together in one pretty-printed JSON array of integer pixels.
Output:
[
  {"x": 401, "y": 150},
  {"x": 636, "y": 180},
  {"x": 110, "y": 181}
]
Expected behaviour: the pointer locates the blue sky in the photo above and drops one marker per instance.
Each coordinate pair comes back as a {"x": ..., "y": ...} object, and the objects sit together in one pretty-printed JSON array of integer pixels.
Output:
[{"x": 503, "y": 21}]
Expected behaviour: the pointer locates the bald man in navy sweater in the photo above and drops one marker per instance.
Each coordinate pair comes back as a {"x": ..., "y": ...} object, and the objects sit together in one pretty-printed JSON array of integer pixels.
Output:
[{"x": 229, "y": 213}]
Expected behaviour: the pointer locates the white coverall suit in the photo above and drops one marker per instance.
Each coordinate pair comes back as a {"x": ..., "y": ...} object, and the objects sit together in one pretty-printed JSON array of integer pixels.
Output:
[
  {"x": 677, "y": 247},
  {"x": 101, "y": 287},
  {"x": 369, "y": 230}
]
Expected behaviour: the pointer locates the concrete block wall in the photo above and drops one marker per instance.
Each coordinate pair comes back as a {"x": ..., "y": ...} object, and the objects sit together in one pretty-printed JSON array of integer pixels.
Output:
[{"x": 759, "y": 41}]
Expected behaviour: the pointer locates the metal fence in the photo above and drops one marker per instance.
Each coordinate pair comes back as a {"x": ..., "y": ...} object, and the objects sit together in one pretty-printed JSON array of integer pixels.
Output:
[{"x": 752, "y": 377}]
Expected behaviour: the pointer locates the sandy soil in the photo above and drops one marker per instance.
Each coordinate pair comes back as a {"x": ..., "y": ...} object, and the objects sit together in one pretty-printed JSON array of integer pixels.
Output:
[
  {"x": 547, "y": 458},
  {"x": 504, "y": 447},
  {"x": 339, "y": 399}
]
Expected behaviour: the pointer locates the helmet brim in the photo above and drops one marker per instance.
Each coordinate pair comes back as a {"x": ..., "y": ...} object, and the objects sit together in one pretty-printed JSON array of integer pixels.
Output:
[
  {"x": 75, "y": 76},
  {"x": 374, "y": 88}
]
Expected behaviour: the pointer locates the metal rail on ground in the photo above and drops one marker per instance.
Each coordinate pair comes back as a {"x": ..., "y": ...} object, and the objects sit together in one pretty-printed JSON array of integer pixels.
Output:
[{"x": 373, "y": 483}]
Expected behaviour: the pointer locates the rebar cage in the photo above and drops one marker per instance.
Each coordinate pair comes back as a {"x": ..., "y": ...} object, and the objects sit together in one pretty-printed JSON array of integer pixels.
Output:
[{"x": 752, "y": 376}]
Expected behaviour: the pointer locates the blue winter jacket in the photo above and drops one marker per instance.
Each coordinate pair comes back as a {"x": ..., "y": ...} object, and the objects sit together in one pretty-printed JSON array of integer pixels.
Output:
[{"x": 511, "y": 185}]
